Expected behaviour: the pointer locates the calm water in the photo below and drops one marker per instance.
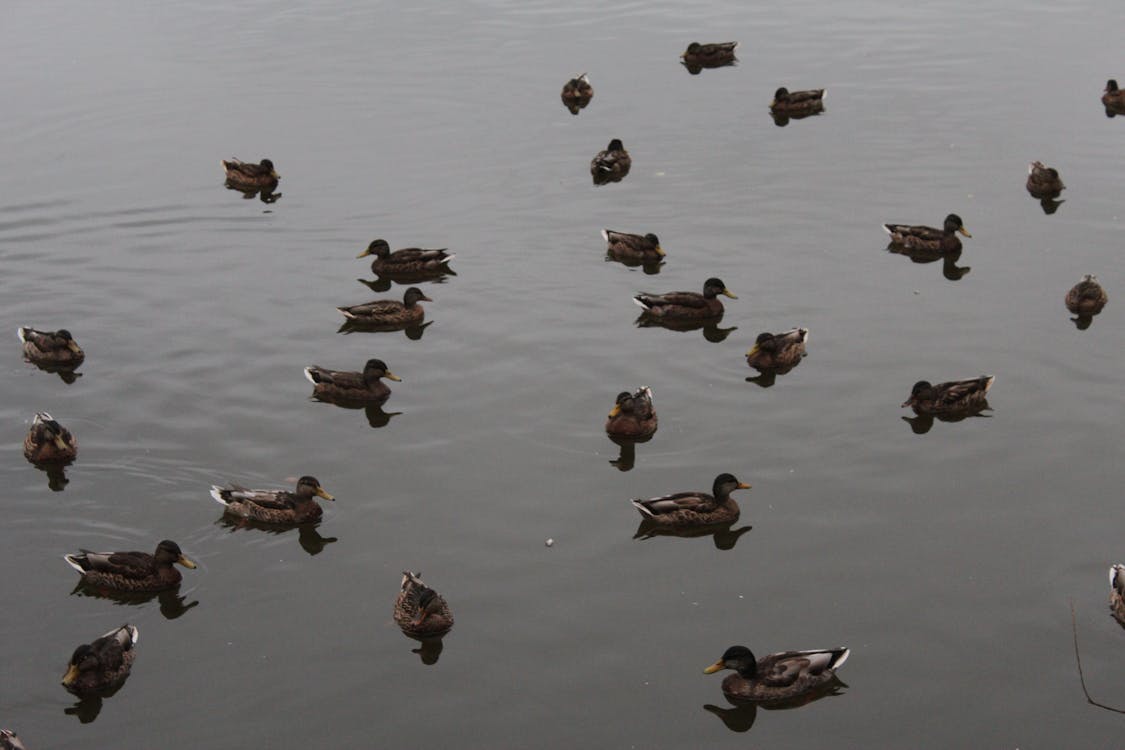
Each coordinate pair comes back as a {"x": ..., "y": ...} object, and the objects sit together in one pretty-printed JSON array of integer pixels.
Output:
[{"x": 945, "y": 560}]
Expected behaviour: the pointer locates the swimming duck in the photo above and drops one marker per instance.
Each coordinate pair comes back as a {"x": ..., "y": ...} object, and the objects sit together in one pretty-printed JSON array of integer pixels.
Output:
[
  {"x": 57, "y": 348},
  {"x": 389, "y": 312},
  {"x": 776, "y": 351},
  {"x": 354, "y": 387},
  {"x": 686, "y": 509},
  {"x": 1113, "y": 98},
  {"x": 103, "y": 664},
  {"x": 954, "y": 396},
  {"x": 633, "y": 247},
  {"x": 245, "y": 176},
  {"x": 131, "y": 571},
  {"x": 713, "y": 55},
  {"x": 928, "y": 238},
  {"x": 577, "y": 93},
  {"x": 420, "y": 611},
  {"x": 1117, "y": 592},
  {"x": 611, "y": 163},
  {"x": 786, "y": 102},
  {"x": 409, "y": 261},
  {"x": 633, "y": 416},
  {"x": 1087, "y": 297},
  {"x": 10, "y": 741},
  {"x": 1043, "y": 181},
  {"x": 273, "y": 506},
  {"x": 777, "y": 677},
  {"x": 686, "y": 305},
  {"x": 48, "y": 441}
]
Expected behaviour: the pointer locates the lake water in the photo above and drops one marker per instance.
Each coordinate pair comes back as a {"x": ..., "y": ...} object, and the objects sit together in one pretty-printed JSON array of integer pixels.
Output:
[{"x": 946, "y": 559}]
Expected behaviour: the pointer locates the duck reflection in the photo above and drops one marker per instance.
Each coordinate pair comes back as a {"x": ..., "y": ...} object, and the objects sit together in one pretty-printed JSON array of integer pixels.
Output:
[
  {"x": 649, "y": 267},
  {"x": 88, "y": 708},
  {"x": 413, "y": 332},
  {"x": 376, "y": 417},
  {"x": 1050, "y": 205},
  {"x": 710, "y": 327},
  {"x": 172, "y": 604},
  {"x": 781, "y": 119},
  {"x": 725, "y": 536},
  {"x": 266, "y": 193},
  {"x": 627, "y": 456},
  {"x": 307, "y": 534},
  {"x": 741, "y": 715},
  {"x": 949, "y": 267},
  {"x": 922, "y": 423},
  {"x": 56, "y": 473},
  {"x": 429, "y": 649},
  {"x": 66, "y": 373},
  {"x": 383, "y": 282}
]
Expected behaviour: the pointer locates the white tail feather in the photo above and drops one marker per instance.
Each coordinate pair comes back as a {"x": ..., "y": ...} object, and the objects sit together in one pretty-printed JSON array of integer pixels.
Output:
[
  {"x": 843, "y": 658},
  {"x": 637, "y": 301},
  {"x": 644, "y": 511},
  {"x": 72, "y": 562},
  {"x": 21, "y": 334},
  {"x": 217, "y": 493},
  {"x": 308, "y": 376},
  {"x": 605, "y": 236},
  {"x": 887, "y": 229},
  {"x": 346, "y": 313}
]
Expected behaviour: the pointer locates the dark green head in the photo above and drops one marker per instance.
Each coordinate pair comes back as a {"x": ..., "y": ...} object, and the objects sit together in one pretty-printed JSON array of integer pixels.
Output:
[
  {"x": 781, "y": 95},
  {"x": 377, "y": 368},
  {"x": 725, "y": 484},
  {"x": 694, "y": 48},
  {"x": 615, "y": 145},
  {"x": 1111, "y": 85},
  {"x": 168, "y": 552},
  {"x": 308, "y": 486},
  {"x": 413, "y": 296},
  {"x": 953, "y": 224},
  {"x": 738, "y": 658},
  {"x": 378, "y": 248},
  {"x": 714, "y": 287}
]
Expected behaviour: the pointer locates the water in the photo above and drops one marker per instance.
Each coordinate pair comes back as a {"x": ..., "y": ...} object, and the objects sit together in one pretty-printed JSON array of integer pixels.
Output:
[{"x": 945, "y": 560}]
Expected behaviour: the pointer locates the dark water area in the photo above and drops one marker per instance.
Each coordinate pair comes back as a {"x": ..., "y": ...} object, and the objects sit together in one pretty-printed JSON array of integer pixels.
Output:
[{"x": 944, "y": 554}]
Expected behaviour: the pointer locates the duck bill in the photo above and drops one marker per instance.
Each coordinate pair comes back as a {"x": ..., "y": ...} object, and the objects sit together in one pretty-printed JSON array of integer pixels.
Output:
[
  {"x": 391, "y": 376},
  {"x": 730, "y": 294},
  {"x": 753, "y": 350},
  {"x": 60, "y": 443},
  {"x": 274, "y": 174},
  {"x": 364, "y": 254},
  {"x": 186, "y": 562},
  {"x": 70, "y": 676},
  {"x": 773, "y": 104},
  {"x": 714, "y": 667},
  {"x": 660, "y": 251},
  {"x": 424, "y": 298},
  {"x": 321, "y": 493},
  {"x": 73, "y": 346},
  {"x": 614, "y": 411},
  {"x": 964, "y": 231},
  {"x": 743, "y": 486}
]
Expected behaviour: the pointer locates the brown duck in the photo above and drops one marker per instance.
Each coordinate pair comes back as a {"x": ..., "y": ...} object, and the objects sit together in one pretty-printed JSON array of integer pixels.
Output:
[
  {"x": 710, "y": 55},
  {"x": 1043, "y": 181},
  {"x": 947, "y": 398},
  {"x": 577, "y": 93},
  {"x": 389, "y": 313},
  {"x": 777, "y": 677},
  {"x": 409, "y": 261},
  {"x": 633, "y": 416},
  {"x": 364, "y": 387},
  {"x": 611, "y": 163},
  {"x": 246, "y": 176},
  {"x": 778, "y": 351},
  {"x": 273, "y": 506},
  {"x": 131, "y": 571},
  {"x": 686, "y": 509},
  {"x": 686, "y": 305},
  {"x": 928, "y": 238},
  {"x": 420, "y": 611},
  {"x": 48, "y": 441},
  {"x": 642, "y": 248},
  {"x": 102, "y": 665},
  {"x": 797, "y": 103},
  {"x": 1087, "y": 297},
  {"x": 57, "y": 348}
]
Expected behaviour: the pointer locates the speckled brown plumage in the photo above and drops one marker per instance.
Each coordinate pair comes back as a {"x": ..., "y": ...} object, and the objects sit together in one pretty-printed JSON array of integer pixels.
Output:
[
  {"x": 797, "y": 103},
  {"x": 48, "y": 441},
  {"x": 577, "y": 93},
  {"x": 103, "y": 664},
  {"x": 1043, "y": 181},
  {"x": 1113, "y": 98},
  {"x": 273, "y": 506},
  {"x": 638, "y": 248},
  {"x": 946, "y": 398},
  {"x": 246, "y": 176},
  {"x": 389, "y": 313},
  {"x": 55, "y": 348},
  {"x": 928, "y": 238},
  {"x": 412, "y": 262},
  {"x": 1087, "y": 297},
  {"x": 420, "y": 611},
  {"x": 1117, "y": 592},
  {"x": 686, "y": 305},
  {"x": 131, "y": 571},
  {"x": 633, "y": 416},
  {"x": 686, "y": 509},
  {"x": 709, "y": 55},
  {"x": 778, "y": 677},
  {"x": 611, "y": 164},
  {"x": 778, "y": 351}
]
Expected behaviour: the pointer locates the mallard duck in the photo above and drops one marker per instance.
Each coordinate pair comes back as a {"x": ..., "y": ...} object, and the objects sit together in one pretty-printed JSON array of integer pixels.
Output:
[
  {"x": 686, "y": 305},
  {"x": 420, "y": 611},
  {"x": 1113, "y": 98},
  {"x": 686, "y": 509},
  {"x": 56, "y": 348},
  {"x": 776, "y": 351},
  {"x": 577, "y": 93},
  {"x": 1117, "y": 592},
  {"x": 633, "y": 247},
  {"x": 273, "y": 506},
  {"x": 1043, "y": 181},
  {"x": 612, "y": 163},
  {"x": 954, "y": 396},
  {"x": 409, "y": 261},
  {"x": 713, "y": 55},
  {"x": 928, "y": 238},
  {"x": 797, "y": 103},
  {"x": 633, "y": 416},
  {"x": 1087, "y": 297},
  {"x": 10, "y": 741},
  {"x": 246, "y": 176},
  {"x": 389, "y": 312},
  {"x": 131, "y": 571},
  {"x": 356, "y": 387},
  {"x": 48, "y": 441},
  {"x": 103, "y": 664},
  {"x": 777, "y": 677}
]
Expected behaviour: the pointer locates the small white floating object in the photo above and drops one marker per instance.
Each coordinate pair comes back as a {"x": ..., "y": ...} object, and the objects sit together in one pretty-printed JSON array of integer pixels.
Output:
[{"x": 550, "y": 542}]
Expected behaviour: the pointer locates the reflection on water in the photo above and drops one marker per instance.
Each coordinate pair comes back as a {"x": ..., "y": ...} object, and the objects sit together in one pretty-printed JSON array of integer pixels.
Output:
[
  {"x": 413, "y": 332},
  {"x": 741, "y": 715},
  {"x": 172, "y": 604},
  {"x": 949, "y": 267},
  {"x": 56, "y": 473},
  {"x": 383, "y": 282},
  {"x": 307, "y": 534},
  {"x": 265, "y": 193},
  {"x": 724, "y": 536},
  {"x": 66, "y": 373},
  {"x": 921, "y": 423},
  {"x": 88, "y": 708},
  {"x": 650, "y": 267},
  {"x": 710, "y": 327},
  {"x": 376, "y": 417},
  {"x": 429, "y": 649},
  {"x": 1050, "y": 205}
]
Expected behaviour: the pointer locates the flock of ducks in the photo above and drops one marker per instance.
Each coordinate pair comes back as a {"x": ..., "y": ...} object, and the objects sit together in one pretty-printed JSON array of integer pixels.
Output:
[{"x": 101, "y": 666}]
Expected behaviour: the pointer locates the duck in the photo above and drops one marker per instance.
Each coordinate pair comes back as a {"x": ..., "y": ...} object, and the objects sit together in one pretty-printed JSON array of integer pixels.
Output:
[
  {"x": 1043, "y": 181},
  {"x": 409, "y": 261},
  {"x": 1117, "y": 592},
  {"x": 131, "y": 571},
  {"x": 57, "y": 348},
  {"x": 786, "y": 102},
  {"x": 1113, "y": 98},
  {"x": 246, "y": 176},
  {"x": 633, "y": 416},
  {"x": 776, "y": 351},
  {"x": 633, "y": 247},
  {"x": 577, "y": 93},
  {"x": 9, "y": 740},
  {"x": 928, "y": 238},
  {"x": 611, "y": 163},
  {"x": 1087, "y": 297},
  {"x": 103, "y": 664},
  {"x": 777, "y": 677},
  {"x": 273, "y": 506},
  {"x": 686, "y": 305},
  {"x": 711, "y": 55},
  {"x": 420, "y": 611},
  {"x": 954, "y": 396},
  {"x": 352, "y": 387},
  {"x": 688, "y": 509},
  {"x": 389, "y": 312},
  {"x": 48, "y": 441}
]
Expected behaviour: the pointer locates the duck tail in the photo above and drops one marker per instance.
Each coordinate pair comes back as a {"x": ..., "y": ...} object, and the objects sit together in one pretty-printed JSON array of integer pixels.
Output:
[
  {"x": 22, "y": 333},
  {"x": 309, "y": 376},
  {"x": 75, "y": 561},
  {"x": 217, "y": 493},
  {"x": 640, "y": 300},
  {"x": 639, "y": 505}
]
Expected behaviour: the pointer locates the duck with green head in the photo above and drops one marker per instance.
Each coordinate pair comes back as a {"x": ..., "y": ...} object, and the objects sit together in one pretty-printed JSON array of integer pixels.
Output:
[
  {"x": 686, "y": 305},
  {"x": 131, "y": 571},
  {"x": 273, "y": 506},
  {"x": 929, "y": 238},
  {"x": 778, "y": 677},
  {"x": 688, "y": 509},
  {"x": 633, "y": 248}
]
